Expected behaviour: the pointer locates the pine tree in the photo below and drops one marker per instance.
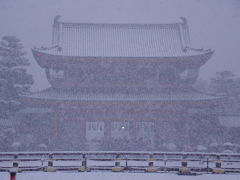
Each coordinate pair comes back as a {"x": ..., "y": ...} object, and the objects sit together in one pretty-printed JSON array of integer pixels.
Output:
[
  {"x": 224, "y": 83},
  {"x": 14, "y": 80}
]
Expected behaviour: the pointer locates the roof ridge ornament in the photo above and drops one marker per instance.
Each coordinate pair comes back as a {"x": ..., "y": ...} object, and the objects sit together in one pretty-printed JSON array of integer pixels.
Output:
[
  {"x": 184, "y": 20},
  {"x": 50, "y": 48},
  {"x": 197, "y": 49},
  {"x": 56, "y": 19}
]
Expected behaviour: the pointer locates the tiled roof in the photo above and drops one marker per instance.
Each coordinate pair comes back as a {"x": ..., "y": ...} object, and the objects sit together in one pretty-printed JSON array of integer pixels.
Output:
[
  {"x": 121, "y": 40},
  {"x": 133, "y": 94}
]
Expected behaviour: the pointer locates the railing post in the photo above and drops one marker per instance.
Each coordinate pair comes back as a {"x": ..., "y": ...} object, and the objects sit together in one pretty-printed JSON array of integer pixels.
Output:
[
  {"x": 84, "y": 161},
  {"x": 218, "y": 166},
  {"x": 16, "y": 163},
  {"x": 126, "y": 163},
  {"x": 50, "y": 167},
  {"x": 42, "y": 161},
  {"x": 117, "y": 167},
  {"x": 207, "y": 165},
  {"x": 83, "y": 168},
  {"x": 184, "y": 170},
  {"x": 165, "y": 162},
  {"x": 151, "y": 167}
]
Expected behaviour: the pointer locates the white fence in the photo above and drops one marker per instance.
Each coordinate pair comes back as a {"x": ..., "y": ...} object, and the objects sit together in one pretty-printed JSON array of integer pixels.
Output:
[{"x": 119, "y": 161}]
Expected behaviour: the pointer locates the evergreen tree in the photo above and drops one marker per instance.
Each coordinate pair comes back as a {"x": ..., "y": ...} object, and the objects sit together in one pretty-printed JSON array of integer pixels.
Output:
[
  {"x": 14, "y": 80},
  {"x": 225, "y": 83}
]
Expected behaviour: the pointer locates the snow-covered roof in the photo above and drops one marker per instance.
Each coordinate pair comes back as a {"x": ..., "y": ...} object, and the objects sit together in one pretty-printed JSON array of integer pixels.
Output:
[
  {"x": 121, "y": 40},
  {"x": 230, "y": 121},
  {"x": 134, "y": 94}
]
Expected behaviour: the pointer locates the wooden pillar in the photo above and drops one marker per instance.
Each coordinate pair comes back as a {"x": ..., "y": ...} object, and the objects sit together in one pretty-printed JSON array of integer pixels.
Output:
[
  {"x": 158, "y": 133},
  {"x": 54, "y": 126},
  {"x": 83, "y": 129},
  {"x": 107, "y": 130},
  {"x": 133, "y": 130},
  {"x": 187, "y": 131}
]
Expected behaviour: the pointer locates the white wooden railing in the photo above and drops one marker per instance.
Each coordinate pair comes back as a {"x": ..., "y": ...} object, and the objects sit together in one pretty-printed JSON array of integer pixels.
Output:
[{"x": 119, "y": 161}]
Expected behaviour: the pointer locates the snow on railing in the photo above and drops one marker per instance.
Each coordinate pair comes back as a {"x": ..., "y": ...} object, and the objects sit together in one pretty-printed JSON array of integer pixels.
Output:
[{"x": 181, "y": 162}]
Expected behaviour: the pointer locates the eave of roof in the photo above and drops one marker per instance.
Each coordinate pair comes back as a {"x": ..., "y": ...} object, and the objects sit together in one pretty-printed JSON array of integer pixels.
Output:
[
  {"x": 175, "y": 95},
  {"x": 191, "y": 52},
  {"x": 46, "y": 60}
]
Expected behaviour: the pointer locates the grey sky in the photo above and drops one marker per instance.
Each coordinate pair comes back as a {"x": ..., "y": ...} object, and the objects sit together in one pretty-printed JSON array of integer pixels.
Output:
[{"x": 213, "y": 23}]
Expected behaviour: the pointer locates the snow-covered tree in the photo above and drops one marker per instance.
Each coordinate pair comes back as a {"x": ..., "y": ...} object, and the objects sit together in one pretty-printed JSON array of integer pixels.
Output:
[
  {"x": 225, "y": 83},
  {"x": 14, "y": 80}
]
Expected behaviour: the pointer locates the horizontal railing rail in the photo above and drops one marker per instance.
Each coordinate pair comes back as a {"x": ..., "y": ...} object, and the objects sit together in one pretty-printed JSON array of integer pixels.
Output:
[{"x": 119, "y": 161}]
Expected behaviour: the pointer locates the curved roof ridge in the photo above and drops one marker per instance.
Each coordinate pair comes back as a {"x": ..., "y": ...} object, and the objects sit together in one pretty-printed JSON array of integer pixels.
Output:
[
  {"x": 180, "y": 20},
  {"x": 121, "y": 40},
  {"x": 120, "y": 24}
]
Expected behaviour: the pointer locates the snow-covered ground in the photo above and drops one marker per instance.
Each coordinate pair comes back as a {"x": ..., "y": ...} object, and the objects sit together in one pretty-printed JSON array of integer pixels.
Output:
[{"x": 114, "y": 176}]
